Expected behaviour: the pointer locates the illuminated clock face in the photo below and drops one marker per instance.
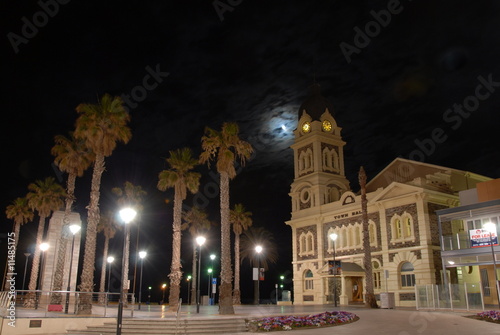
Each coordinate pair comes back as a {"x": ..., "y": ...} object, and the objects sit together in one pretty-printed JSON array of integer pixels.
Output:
[
  {"x": 327, "y": 125},
  {"x": 306, "y": 127}
]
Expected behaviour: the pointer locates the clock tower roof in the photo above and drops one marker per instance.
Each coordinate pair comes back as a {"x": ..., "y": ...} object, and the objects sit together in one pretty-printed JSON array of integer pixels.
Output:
[{"x": 316, "y": 104}]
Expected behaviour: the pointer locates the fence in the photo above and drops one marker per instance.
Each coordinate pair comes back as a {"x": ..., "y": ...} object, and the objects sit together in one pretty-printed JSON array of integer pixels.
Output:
[
  {"x": 103, "y": 303},
  {"x": 454, "y": 296}
]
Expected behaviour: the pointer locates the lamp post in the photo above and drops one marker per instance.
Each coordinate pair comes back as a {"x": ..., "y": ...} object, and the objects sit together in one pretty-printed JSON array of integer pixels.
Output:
[
  {"x": 142, "y": 255},
  {"x": 189, "y": 288},
  {"x": 491, "y": 228},
  {"x": 211, "y": 292},
  {"x": 127, "y": 215},
  {"x": 281, "y": 286},
  {"x": 74, "y": 228},
  {"x": 200, "y": 240},
  {"x": 27, "y": 254},
  {"x": 333, "y": 237},
  {"x": 149, "y": 294},
  {"x": 43, "y": 247},
  {"x": 208, "y": 288},
  {"x": 110, "y": 261},
  {"x": 163, "y": 287},
  {"x": 258, "y": 250}
]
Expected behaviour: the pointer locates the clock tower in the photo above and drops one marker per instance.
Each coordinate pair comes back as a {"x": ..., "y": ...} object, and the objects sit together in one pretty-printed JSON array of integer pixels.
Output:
[{"x": 319, "y": 176}]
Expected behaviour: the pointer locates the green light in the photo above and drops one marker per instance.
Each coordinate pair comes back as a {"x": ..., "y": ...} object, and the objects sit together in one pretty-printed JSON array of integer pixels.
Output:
[
  {"x": 209, "y": 270},
  {"x": 282, "y": 277}
]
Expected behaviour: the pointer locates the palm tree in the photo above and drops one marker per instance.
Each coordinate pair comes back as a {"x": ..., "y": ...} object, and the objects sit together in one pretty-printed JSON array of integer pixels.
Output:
[
  {"x": 225, "y": 147},
  {"x": 108, "y": 226},
  {"x": 371, "y": 301},
  {"x": 45, "y": 196},
  {"x": 182, "y": 179},
  {"x": 241, "y": 221},
  {"x": 101, "y": 126},
  {"x": 130, "y": 196},
  {"x": 20, "y": 213},
  {"x": 72, "y": 157},
  {"x": 196, "y": 222}
]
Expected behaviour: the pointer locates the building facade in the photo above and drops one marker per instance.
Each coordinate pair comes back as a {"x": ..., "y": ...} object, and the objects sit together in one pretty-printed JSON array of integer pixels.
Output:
[{"x": 403, "y": 225}]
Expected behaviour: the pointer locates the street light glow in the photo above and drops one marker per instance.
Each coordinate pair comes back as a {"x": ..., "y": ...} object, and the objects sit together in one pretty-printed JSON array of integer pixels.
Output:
[
  {"x": 333, "y": 236},
  {"x": 44, "y": 246},
  {"x": 74, "y": 228},
  {"x": 111, "y": 259},
  {"x": 258, "y": 249},
  {"x": 142, "y": 254},
  {"x": 200, "y": 240},
  {"x": 127, "y": 214},
  {"x": 212, "y": 256}
]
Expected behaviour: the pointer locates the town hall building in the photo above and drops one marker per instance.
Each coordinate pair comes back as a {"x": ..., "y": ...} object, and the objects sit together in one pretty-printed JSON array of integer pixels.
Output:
[{"x": 403, "y": 225}]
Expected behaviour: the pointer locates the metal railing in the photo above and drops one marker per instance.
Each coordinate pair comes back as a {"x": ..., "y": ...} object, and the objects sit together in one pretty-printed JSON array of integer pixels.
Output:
[
  {"x": 468, "y": 296},
  {"x": 26, "y": 302}
]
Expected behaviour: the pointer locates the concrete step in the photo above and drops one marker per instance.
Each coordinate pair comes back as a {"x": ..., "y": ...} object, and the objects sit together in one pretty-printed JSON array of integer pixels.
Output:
[{"x": 168, "y": 327}]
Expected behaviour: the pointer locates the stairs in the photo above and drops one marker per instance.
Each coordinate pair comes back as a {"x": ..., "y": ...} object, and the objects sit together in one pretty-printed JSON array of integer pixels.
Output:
[{"x": 168, "y": 327}]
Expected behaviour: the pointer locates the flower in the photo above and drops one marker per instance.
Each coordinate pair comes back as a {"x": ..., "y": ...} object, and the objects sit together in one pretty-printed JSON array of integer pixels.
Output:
[{"x": 290, "y": 322}]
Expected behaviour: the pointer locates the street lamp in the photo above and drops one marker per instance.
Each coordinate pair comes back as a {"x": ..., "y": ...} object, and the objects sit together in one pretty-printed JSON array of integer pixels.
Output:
[
  {"x": 209, "y": 277},
  {"x": 149, "y": 294},
  {"x": 211, "y": 292},
  {"x": 127, "y": 215},
  {"x": 142, "y": 255},
  {"x": 43, "y": 247},
  {"x": 200, "y": 240},
  {"x": 74, "y": 228},
  {"x": 189, "y": 288},
  {"x": 492, "y": 229},
  {"x": 110, "y": 261},
  {"x": 258, "y": 249},
  {"x": 27, "y": 254},
  {"x": 333, "y": 237},
  {"x": 163, "y": 287}
]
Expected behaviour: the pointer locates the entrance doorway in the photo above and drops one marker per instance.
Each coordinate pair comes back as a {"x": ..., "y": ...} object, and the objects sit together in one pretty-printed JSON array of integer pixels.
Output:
[{"x": 357, "y": 289}]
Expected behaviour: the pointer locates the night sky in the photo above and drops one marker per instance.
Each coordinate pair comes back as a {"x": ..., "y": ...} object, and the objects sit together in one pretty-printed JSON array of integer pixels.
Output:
[{"x": 411, "y": 79}]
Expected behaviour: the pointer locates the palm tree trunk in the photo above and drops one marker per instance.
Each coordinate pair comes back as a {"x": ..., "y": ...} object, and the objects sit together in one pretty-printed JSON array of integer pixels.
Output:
[
  {"x": 370, "y": 300},
  {"x": 175, "y": 267},
  {"x": 226, "y": 299},
  {"x": 193, "y": 279},
  {"x": 56, "y": 298},
  {"x": 102, "y": 286},
  {"x": 30, "y": 301},
  {"x": 237, "y": 293},
  {"x": 87, "y": 277}
]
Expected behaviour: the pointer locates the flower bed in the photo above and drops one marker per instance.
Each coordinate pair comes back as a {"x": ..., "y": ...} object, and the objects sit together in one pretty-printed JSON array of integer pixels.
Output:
[
  {"x": 492, "y": 316},
  {"x": 291, "y": 322}
]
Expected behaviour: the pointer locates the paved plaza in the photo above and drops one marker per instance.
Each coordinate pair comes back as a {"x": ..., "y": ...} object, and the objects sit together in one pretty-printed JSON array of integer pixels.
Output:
[{"x": 399, "y": 321}]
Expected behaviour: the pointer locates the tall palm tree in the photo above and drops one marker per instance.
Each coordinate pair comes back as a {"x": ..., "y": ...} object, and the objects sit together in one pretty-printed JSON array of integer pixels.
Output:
[
  {"x": 72, "y": 157},
  {"x": 130, "y": 196},
  {"x": 196, "y": 222},
  {"x": 45, "y": 196},
  {"x": 371, "y": 301},
  {"x": 108, "y": 226},
  {"x": 182, "y": 179},
  {"x": 20, "y": 213},
  {"x": 101, "y": 126},
  {"x": 225, "y": 147},
  {"x": 241, "y": 221}
]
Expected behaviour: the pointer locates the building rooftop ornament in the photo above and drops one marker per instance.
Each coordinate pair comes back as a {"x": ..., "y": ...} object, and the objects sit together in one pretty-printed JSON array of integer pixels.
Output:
[{"x": 316, "y": 104}]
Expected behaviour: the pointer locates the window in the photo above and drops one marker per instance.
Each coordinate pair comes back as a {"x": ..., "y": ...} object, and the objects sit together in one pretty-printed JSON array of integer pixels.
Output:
[
  {"x": 485, "y": 282},
  {"x": 407, "y": 275},
  {"x": 308, "y": 280},
  {"x": 397, "y": 226},
  {"x": 402, "y": 228},
  {"x": 372, "y": 231},
  {"x": 377, "y": 275},
  {"x": 306, "y": 244},
  {"x": 408, "y": 227}
]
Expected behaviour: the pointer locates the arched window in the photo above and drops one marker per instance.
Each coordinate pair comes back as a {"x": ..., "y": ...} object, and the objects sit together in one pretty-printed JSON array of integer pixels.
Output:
[
  {"x": 372, "y": 231},
  {"x": 398, "y": 231},
  {"x": 407, "y": 275},
  {"x": 308, "y": 280},
  {"x": 343, "y": 237},
  {"x": 357, "y": 236},
  {"x": 302, "y": 244},
  {"x": 377, "y": 275}
]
